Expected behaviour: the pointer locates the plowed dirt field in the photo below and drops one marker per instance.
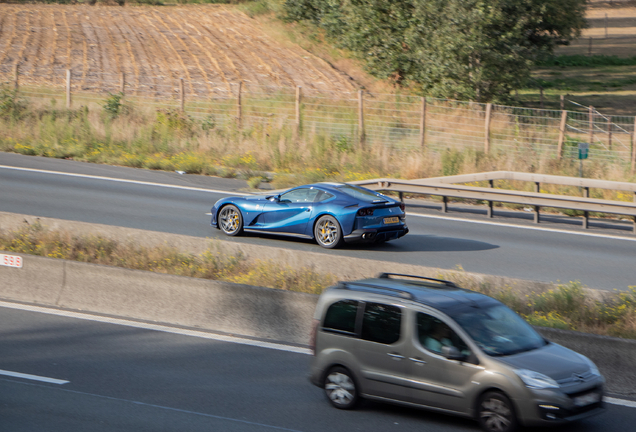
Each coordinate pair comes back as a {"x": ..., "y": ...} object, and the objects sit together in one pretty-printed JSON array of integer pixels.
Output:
[{"x": 212, "y": 48}]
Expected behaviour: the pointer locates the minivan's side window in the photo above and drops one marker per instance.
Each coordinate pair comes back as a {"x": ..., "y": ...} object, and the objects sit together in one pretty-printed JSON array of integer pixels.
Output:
[
  {"x": 381, "y": 323},
  {"x": 435, "y": 334},
  {"x": 341, "y": 316}
]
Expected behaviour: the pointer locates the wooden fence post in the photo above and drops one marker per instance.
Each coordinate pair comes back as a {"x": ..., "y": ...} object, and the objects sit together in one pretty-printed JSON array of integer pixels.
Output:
[
  {"x": 609, "y": 132},
  {"x": 423, "y": 124},
  {"x": 122, "y": 84},
  {"x": 298, "y": 100},
  {"x": 591, "y": 124},
  {"x": 634, "y": 148},
  {"x": 239, "y": 109},
  {"x": 562, "y": 102},
  {"x": 68, "y": 89},
  {"x": 564, "y": 118},
  {"x": 16, "y": 77},
  {"x": 487, "y": 128},
  {"x": 181, "y": 94},
  {"x": 361, "y": 132}
]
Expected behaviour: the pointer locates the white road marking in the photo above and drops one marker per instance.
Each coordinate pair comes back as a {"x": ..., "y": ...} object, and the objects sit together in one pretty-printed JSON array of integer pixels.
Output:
[
  {"x": 123, "y": 180},
  {"x": 157, "y": 327},
  {"x": 524, "y": 227},
  {"x": 621, "y": 402},
  {"x": 33, "y": 377},
  {"x": 201, "y": 334}
]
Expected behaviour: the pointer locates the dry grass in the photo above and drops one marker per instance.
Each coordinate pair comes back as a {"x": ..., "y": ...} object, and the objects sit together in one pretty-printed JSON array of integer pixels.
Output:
[{"x": 212, "y": 264}]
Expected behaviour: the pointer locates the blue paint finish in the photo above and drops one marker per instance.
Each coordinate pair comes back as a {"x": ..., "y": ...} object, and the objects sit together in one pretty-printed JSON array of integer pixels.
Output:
[{"x": 295, "y": 212}]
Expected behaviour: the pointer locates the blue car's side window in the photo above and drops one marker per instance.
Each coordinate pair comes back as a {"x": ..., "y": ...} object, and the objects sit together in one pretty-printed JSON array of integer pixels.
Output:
[
  {"x": 303, "y": 195},
  {"x": 322, "y": 196}
]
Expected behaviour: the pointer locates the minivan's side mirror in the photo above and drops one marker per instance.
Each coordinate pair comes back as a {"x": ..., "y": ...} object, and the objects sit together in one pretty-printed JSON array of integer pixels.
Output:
[{"x": 452, "y": 353}]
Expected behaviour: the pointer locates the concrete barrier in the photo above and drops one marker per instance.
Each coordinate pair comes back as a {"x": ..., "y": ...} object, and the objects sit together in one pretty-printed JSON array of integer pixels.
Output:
[{"x": 210, "y": 305}]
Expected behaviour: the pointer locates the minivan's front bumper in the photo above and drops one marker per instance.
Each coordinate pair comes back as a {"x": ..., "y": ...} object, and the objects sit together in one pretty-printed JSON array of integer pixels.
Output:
[{"x": 547, "y": 407}]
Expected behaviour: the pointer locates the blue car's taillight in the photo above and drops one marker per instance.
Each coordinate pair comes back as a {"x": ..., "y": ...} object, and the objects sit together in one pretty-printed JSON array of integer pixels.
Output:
[
  {"x": 402, "y": 206},
  {"x": 365, "y": 212}
]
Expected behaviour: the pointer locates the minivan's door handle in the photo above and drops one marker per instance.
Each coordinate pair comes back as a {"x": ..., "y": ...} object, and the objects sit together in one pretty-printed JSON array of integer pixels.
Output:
[
  {"x": 419, "y": 361},
  {"x": 395, "y": 356}
]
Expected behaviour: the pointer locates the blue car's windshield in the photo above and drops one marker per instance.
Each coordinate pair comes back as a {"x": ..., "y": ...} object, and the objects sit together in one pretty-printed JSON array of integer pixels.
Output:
[
  {"x": 498, "y": 331},
  {"x": 362, "y": 194}
]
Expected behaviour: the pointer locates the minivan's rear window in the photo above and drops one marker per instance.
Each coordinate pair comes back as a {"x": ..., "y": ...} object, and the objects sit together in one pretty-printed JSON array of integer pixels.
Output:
[
  {"x": 381, "y": 323},
  {"x": 341, "y": 316}
]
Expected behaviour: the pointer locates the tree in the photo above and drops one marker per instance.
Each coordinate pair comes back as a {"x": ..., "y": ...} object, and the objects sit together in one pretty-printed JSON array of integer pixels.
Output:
[{"x": 464, "y": 49}]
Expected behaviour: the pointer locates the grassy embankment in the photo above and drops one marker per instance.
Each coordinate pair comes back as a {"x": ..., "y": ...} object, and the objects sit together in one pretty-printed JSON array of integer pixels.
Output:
[{"x": 567, "y": 306}]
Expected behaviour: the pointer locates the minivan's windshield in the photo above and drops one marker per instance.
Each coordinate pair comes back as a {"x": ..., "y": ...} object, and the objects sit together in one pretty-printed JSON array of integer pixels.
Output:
[{"x": 498, "y": 331}]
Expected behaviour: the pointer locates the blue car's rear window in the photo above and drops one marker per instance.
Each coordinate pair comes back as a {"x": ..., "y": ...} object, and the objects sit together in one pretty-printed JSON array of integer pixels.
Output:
[{"x": 362, "y": 194}]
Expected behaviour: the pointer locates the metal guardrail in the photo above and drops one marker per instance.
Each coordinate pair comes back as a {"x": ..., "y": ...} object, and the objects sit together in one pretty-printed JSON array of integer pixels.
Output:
[{"x": 446, "y": 187}]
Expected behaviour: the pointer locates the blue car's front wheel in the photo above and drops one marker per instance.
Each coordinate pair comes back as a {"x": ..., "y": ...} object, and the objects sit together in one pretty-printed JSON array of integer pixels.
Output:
[
  {"x": 230, "y": 220},
  {"x": 328, "y": 233}
]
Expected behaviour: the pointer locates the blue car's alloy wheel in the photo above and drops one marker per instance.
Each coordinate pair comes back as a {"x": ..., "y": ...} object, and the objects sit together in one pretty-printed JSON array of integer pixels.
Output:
[
  {"x": 328, "y": 233},
  {"x": 230, "y": 220}
]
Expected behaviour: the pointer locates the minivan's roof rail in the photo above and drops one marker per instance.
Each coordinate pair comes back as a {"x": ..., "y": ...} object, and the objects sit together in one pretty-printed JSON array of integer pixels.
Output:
[
  {"x": 445, "y": 282},
  {"x": 387, "y": 290}
]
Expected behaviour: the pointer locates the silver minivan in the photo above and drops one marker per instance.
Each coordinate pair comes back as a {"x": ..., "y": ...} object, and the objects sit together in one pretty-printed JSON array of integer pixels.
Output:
[{"x": 428, "y": 343}]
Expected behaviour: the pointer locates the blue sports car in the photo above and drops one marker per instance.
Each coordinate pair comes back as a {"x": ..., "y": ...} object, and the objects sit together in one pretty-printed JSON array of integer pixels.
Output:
[{"x": 330, "y": 213}]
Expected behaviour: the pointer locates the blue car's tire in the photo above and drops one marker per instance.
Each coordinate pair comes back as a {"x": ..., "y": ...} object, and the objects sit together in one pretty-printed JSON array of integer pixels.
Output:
[
  {"x": 230, "y": 220},
  {"x": 328, "y": 233}
]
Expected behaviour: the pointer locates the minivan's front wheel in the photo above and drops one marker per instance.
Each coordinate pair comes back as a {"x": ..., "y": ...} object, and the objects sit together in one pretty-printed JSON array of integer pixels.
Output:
[
  {"x": 340, "y": 388},
  {"x": 496, "y": 413}
]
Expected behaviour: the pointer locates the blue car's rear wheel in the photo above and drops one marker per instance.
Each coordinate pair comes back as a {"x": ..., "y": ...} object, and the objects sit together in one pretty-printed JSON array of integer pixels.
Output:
[
  {"x": 230, "y": 220},
  {"x": 328, "y": 233}
]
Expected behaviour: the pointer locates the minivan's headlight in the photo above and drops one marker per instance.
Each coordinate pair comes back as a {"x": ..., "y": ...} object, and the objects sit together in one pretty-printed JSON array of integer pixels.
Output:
[{"x": 536, "y": 380}]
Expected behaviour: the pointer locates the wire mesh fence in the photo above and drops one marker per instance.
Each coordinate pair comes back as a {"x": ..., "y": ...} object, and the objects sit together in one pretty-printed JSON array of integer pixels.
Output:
[{"x": 395, "y": 121}]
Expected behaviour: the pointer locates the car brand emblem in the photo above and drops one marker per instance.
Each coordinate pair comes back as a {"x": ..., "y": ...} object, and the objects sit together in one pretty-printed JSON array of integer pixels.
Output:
[{"x": 577, "y": 377}]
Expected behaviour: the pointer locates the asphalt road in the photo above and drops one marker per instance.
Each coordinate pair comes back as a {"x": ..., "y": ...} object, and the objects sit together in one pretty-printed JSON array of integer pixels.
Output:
[
  {"x": 123, "y": 378},
  {"x": 509, "y": 245}
]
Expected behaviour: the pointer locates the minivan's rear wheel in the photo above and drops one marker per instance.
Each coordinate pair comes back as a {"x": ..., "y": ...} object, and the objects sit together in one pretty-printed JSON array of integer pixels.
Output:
[
  {"x": 327, "y": 232},
  {"x": 340, "y": 388},
  {"x": 496, "y": 413}
]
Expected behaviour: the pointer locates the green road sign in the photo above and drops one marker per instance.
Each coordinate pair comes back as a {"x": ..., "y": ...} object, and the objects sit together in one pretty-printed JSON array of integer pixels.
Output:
[{"x": 583, "y": 150}]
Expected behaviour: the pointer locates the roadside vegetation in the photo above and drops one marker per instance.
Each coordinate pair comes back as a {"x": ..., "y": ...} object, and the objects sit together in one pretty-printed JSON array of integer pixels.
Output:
[
  {"x": 567, "y": 306},
  {"x": 212, "y": 264}
]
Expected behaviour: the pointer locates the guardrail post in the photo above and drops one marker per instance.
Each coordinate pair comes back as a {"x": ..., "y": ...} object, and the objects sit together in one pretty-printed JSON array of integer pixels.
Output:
[
  {"x": 487, "y": 128},
  {"x": 564, "y": 118},
  {"x": 361, "y": 133},
  {"x": 444, "y": 204},
  {"x": 16, "y": 77},
  {"x": 423, "y": 125},
  {"x": 586, "y": 214},
  {"x": 68, "y": 89},
  {"x": 537, "y": 209},
  {"x": 489, "y": 213}
]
